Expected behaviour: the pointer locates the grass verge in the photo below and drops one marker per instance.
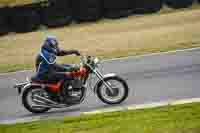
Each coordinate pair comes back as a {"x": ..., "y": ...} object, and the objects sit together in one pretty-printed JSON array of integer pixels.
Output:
[
  {"x": 108, "y": 39},
  {"x": 170, "y": 119}
]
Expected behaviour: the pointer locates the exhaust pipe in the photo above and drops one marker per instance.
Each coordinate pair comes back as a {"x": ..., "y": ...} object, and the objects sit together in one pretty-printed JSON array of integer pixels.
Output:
[
  {"x": 40, "y": 106},
  {"x": 44, "y": 102},
  {"x": 39, "y": 102}
]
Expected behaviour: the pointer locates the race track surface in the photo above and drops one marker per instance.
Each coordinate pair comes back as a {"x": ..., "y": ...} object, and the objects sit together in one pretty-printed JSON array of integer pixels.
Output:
[{"x": 154, "y": 78}]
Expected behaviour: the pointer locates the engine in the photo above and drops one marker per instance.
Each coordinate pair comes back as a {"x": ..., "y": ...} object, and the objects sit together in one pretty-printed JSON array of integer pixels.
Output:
[{"x": 72, "y": 91}]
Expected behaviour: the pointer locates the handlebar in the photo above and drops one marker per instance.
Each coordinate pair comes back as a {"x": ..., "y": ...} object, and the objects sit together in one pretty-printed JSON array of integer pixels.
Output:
[{"x": 85, "y": 59}]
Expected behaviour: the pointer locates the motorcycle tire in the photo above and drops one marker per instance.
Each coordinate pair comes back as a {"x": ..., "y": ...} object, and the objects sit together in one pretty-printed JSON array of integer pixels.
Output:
[
  {"x": 28, "y": 106},
  {"x": 118, "y": 79}
]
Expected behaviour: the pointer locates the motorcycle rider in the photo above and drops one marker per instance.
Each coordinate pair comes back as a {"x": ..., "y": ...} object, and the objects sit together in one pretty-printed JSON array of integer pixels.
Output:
[{"x": 47, "y": 68}]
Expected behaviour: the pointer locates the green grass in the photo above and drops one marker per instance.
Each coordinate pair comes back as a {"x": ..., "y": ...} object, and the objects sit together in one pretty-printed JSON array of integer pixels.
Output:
[
  {"x": 135, "y": 35},
  {"x": 169, "y": 119}
]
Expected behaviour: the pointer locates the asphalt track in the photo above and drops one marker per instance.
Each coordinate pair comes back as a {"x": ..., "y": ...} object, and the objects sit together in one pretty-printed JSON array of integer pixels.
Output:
[{"x": 153, "y": 78}]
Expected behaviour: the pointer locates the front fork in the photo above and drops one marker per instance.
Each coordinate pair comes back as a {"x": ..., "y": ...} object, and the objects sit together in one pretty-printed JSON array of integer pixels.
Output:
[{"x": 101, "y": 77}]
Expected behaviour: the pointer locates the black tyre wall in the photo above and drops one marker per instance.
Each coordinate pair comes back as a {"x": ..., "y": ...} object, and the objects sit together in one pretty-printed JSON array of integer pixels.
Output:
[
  {"x": 147, "y": 6},
  {"x": 87, "y": 10},
  {"x": 24, "y": 19},
  {"x": 56, "y": 14},
  {"x": 178, "y": 3},
  {"x": 115, "y": 14},
  {"x": 4, "y": 27},
  {"x": 117, "y": 8},
  {"x": 117, "y": 4}
]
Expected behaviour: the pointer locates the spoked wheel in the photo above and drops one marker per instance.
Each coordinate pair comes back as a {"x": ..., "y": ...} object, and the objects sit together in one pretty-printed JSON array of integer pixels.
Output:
[
  {"x": 119, "y": 90},
  {"x": 28, "y": 99}
]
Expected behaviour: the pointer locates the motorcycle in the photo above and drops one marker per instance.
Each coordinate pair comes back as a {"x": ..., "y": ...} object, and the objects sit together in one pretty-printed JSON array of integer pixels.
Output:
[{"x": 40, "y": 97}]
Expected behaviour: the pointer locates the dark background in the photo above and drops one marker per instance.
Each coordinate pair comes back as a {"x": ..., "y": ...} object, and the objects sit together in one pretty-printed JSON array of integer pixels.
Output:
[{"x": 57, "y": 13}]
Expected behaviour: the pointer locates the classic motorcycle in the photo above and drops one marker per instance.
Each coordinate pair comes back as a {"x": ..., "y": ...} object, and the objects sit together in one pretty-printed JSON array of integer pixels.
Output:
[{"x": 41, "y": 96}]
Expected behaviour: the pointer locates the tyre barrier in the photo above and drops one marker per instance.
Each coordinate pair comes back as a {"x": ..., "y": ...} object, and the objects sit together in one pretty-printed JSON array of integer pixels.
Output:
[
  {"x": 56, "y": 14},
  {"x": 52, "y": 18},
  {"x": 115, "y": 9},
  {"x": 87, "y": 10},
  {"x": 115, "y": 14},
  {"x": 24, "y": 19},
  {"x": 147, "y": 6},
  {"x": 117, "y": 4},
  {"x": 4, "y": 28},
  {"x": 176, "y": 4}
]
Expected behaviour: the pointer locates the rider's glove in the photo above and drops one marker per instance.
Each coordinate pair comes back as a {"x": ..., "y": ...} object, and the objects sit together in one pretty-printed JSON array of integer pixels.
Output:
[{"x": 77, "y": 53}]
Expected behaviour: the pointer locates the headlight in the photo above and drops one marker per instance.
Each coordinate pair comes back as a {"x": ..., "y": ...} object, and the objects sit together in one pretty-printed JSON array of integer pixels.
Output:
[{"x": 96, "y": 60}]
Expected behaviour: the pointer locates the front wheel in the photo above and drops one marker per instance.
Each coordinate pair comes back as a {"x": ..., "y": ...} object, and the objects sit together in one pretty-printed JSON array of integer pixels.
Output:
[{"x": 119, "y": 93}]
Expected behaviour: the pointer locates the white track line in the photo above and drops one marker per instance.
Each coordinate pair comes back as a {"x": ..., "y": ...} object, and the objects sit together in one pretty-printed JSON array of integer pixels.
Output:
[
  {"x": 112, "y": 109},
  {"x": 144, "y": 106},
  {"x": 153, "y": 54},
  {"x": 10, "y": 73}
]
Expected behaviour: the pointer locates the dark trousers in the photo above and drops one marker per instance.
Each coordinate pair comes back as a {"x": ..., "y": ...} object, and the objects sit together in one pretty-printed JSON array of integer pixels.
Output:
[
  {"x": 59, "y": 73},
  {"x": 55, "y": 74}
]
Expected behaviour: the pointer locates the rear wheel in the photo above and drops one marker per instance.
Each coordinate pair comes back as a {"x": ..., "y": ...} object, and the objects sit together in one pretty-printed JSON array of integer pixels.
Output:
[
  {"x": 119, "y": 87},
  {"x": 28, "y": 96}
]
